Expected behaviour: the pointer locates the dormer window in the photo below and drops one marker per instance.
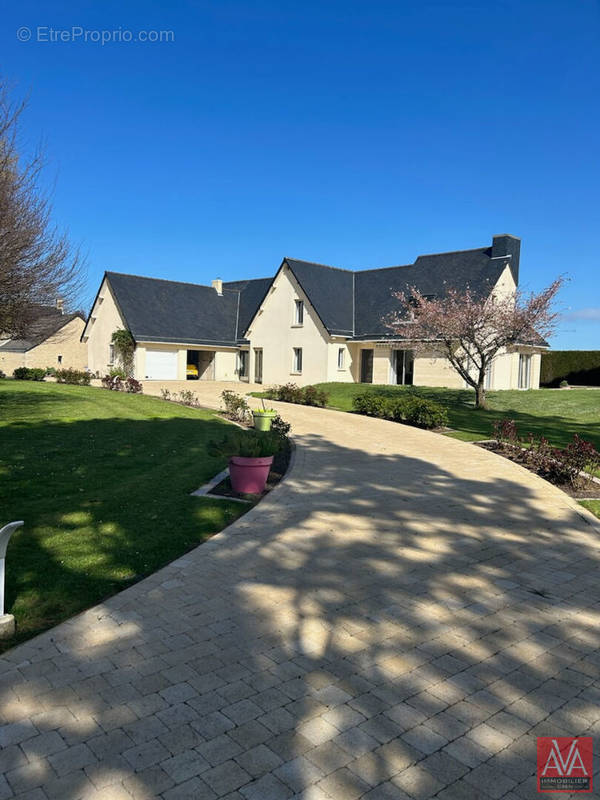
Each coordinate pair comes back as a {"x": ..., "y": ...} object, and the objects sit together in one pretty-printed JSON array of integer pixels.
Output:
[{"x": 299, "y": 312}]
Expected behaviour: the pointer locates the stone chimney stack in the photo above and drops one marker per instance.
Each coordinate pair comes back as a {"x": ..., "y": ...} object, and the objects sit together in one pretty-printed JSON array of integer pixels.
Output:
[
  {"x": 217, "y": 285},
  {"x": 60, "y": 305},
  {"x": 504, "y": 245}
]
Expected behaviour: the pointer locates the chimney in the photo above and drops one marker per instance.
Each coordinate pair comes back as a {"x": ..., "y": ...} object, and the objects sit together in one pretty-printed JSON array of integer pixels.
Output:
[
  {"x": 218, "y": 286},
  {"x": 60, "y": 305},
  {"x": 505, "y": 244}
]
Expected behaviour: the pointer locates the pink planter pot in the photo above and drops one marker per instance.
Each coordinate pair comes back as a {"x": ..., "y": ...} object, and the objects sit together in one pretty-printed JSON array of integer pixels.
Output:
[{"x": 249, "y": 475}]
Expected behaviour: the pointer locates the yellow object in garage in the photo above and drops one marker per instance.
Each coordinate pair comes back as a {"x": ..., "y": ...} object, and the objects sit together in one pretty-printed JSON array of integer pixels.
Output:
[{"x": 191, "y": 371}]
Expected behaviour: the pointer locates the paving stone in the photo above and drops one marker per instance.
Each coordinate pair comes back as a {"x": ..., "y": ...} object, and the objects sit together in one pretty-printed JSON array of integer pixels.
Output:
[
  {"x": 194, "y": 789},
  {"x": 30, "y": 775},
  {"x": 72, "y": 759},
  {"x": 299, "y": 774},
  {"x": 219, "y": 749},
  {"x": 146, "y": 754},
  {"x": 258, "y": 760},
  {"x": 16, "y": 732},
  {"x": 417, "y": 782},
  {"x": 185, "y": 765},
  {"x": 226, "y": 777},
  {"x": 148, "y": 782},
  {"x": 490, "y": 780},
  {"x": 344, "y": 783},
  {"x": 268, "y": 787},
  {"x": 317, "y": 731}
]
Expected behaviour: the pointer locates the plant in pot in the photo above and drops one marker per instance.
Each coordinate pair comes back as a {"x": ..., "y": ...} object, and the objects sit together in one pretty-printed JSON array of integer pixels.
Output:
[
  {"x": 263, "y": 417},
  {"x": 250, "y": 455}
]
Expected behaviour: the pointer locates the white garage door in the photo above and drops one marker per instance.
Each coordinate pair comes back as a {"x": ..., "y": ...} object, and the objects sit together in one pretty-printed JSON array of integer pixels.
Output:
[{"x": 161, "y": 365}]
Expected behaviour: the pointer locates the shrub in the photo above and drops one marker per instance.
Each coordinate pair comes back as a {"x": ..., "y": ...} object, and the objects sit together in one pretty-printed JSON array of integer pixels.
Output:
[
  {"x": 236, "y": 406},
  {"x": 246, "y": 443},
  {"x": 292, "y": 393},
  {"x": 280, "y": 427},
  {"x": 2, "y": 375},
  {"x": 564, "y": 384},
  {"x": 132, "y": 386},
  {"x": 165, "y": 394},
  {"x": 373, "y": 405},
  {"x": 505, "y": 431},
  {"x": 29, "y": 374},
  {"x": 424, "y": 413},
  {"x": 51, "y": 371},
  {"x": 76, "y": 377},
  {"x": 117, "y": 372},
  {"x": 410, "y": 409}
]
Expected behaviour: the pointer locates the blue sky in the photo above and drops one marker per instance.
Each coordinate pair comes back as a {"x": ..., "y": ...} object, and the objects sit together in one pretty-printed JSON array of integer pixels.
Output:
[{"x": 357, "y": 134}]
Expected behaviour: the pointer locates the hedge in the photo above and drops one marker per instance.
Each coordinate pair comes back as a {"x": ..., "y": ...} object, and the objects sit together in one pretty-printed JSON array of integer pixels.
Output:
[
  {"x": 577, "y": 367},
  {"x": 409, "y": 409}
]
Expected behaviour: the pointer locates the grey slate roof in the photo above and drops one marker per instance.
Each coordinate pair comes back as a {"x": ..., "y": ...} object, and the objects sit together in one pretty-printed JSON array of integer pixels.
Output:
[
  {"x": 49, "y": 322},
  {"x": 349, "y": 303},
  {"x": 158, "y": 310}
]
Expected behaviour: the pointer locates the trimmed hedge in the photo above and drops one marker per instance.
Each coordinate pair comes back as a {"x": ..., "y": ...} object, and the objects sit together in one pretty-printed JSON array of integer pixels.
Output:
[
  {"x": 577, "y": 367},
  {"x": 410, "y": 409},
  {"x": 303, "y": 395},
  {"x": 29, "y": 374},
  {"x": 77, "y": 377}
]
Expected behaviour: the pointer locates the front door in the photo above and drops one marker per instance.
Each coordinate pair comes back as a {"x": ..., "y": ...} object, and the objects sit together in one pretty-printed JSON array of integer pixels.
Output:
[
  {"x": 366, "y": 366},
  {"x": 405, "y": 362},
  {"x": 258, "y": 365}
]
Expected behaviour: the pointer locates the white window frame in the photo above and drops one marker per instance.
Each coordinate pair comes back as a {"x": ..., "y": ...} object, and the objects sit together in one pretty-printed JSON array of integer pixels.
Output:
[
  {"x": 341, "y": 358},
  {"x": 111, "y": 354},
  {"x": 297, "y": 361},
  {"x": 524, "y": 377},
  {"x": 488, "y": 383},
  {"x": 298, "y": 313}
]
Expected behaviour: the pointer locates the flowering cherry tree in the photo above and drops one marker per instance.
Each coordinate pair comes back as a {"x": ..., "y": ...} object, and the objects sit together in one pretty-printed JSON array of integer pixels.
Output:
[{"x": 470, "y": 329}]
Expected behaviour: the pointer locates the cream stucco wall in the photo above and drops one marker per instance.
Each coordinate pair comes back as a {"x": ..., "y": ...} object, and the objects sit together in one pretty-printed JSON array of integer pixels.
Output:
[
  {"x": 65, "y": 342},
  {"x": 104, "y": 320},
  {"x": 344, "y": 375},
  {"x": 274, "y": 331}
]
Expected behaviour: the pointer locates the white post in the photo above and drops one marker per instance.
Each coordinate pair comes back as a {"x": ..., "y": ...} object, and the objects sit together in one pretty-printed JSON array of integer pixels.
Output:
[{"x": 7, "y": 621}]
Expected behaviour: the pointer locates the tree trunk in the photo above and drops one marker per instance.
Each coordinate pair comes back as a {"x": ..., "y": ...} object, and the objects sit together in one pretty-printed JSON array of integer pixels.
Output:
[{"x": 480, "y": 396}]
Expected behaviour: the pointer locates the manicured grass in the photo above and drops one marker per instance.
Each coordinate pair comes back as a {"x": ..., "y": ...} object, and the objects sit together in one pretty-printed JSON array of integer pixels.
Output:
[
  {"x": 592, "y": 505},
  {"x": 555, "y": 414},
  {"x": 102, "y": 480}
]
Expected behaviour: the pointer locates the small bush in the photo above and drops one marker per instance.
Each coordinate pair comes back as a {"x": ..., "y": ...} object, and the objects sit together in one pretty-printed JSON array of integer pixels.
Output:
[
  {"x": 280, "y": 427},
  {"x": 2, "y": 375},
  {"x": 132, "y": 386},
  {"x": 29, "y": 374},
  {"x": 247, "y": 444},
  {"x": 77, "y": 377},
  {"x": 51, "y": 371},
  {"x": 292, "y": 393},
  {"x": 236, "y": 406},
  {"x": 505, "y": 432},
  {"x": 165, "y": 394},
  {"x": 564, "y": 384},
  {"x": 118, "y": 372},
  {"x": 409, "y": 409}
]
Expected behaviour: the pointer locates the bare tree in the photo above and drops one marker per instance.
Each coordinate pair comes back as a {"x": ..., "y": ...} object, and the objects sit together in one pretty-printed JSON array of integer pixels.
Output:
[
  {"x": 471, "y": 329},
  {"x": 38, "y": 265}
]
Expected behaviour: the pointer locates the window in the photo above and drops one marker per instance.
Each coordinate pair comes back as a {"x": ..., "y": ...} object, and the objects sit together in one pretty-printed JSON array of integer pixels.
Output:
[
  {"x": 488, "y": 376},
  {"x": 243, "y": 364},
  {"x": 524, "y": 371},
  {"x": 341, "y": 352},
  {"x": 60, "y": 359},
  {"x": 111, "y": 354},
  {"x": 297, "y": 363},
  {"x": 299, "y": 312}
]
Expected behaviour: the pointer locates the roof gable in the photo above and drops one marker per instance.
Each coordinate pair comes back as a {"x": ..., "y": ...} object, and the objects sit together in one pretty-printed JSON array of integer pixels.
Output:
[
  {"x": 49, "y": 323},
  {"x": 330, "y": 291}
]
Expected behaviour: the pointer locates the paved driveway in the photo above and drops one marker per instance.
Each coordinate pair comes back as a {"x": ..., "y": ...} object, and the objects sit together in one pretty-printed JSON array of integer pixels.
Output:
[{"x": 401, "y": 618}]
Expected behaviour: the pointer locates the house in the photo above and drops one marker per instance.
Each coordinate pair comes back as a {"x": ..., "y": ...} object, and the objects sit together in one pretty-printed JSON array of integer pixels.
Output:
[
  {"x": 53, "y": 340},
  {"x": 307, "y": 324}
]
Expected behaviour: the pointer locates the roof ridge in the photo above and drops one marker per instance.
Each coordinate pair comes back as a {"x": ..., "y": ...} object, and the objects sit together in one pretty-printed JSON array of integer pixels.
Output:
[
  {"x": 162, "y": 280},
  {"x": 451, "y": 252},
  {"x": 318, "y": 264}
]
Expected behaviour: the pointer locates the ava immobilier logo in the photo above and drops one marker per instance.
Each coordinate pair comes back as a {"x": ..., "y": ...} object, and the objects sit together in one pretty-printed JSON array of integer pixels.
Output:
[{"x": 564, "y": 764}]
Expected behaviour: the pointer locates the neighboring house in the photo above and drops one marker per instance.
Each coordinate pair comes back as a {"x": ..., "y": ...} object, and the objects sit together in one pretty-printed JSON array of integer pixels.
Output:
[
  {"x": 309, "y": 323},
  {"x": 54, "y": 340}
]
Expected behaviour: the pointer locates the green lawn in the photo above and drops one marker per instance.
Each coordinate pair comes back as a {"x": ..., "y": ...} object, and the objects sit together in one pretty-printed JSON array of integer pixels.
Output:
[
  {"x": 102, "y": 480},
  {"x": 592, "y": 505},
  {"x": 557, "y": 415}
]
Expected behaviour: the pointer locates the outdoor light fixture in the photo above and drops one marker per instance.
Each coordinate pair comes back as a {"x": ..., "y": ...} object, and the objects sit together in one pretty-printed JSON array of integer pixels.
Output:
[{"x": 7, "y": 621}]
